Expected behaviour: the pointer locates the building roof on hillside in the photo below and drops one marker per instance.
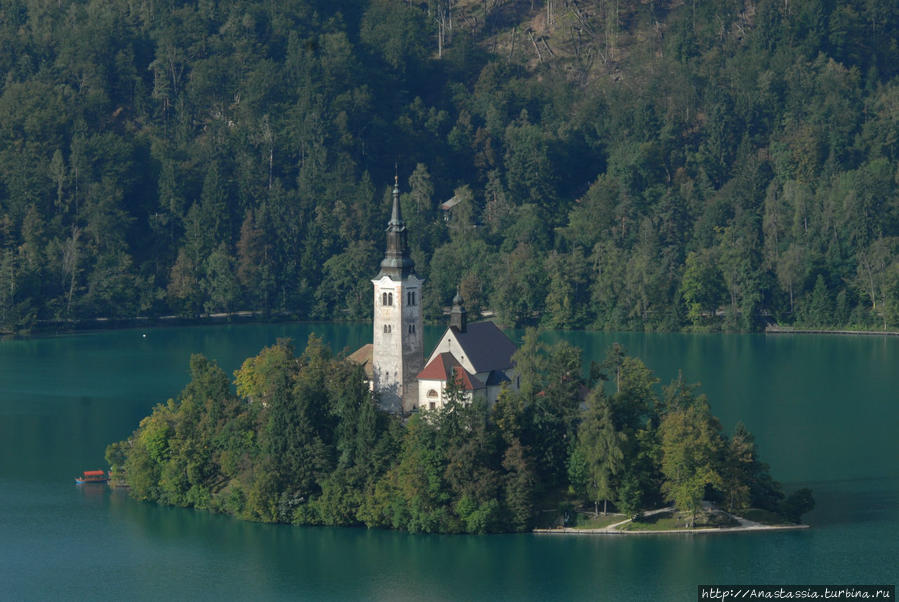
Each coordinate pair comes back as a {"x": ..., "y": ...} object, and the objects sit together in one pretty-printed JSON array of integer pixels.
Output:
[
  {"x": 444, "y": 364},
  {"x": 363, "y": 356},
  {"x": 447, "y": 205},
  {"x": 487, "y": 347}
]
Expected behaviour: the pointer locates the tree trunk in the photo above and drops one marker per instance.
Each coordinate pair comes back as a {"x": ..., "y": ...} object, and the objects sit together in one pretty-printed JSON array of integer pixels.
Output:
[{"x": 791, "y": 297}]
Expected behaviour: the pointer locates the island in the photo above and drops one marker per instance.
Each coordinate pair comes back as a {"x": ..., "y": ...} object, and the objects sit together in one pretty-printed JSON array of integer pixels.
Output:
[
  {"x": 301, "y": 439},
  {"x": 483, "y": 437}
]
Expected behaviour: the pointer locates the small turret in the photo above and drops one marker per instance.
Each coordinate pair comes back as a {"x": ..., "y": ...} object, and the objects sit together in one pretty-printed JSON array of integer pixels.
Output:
[{"x": 458, "y": 315}]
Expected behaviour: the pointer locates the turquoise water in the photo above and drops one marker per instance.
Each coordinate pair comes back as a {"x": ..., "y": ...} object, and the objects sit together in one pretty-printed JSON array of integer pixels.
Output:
[{"x": 823, "y": 409}]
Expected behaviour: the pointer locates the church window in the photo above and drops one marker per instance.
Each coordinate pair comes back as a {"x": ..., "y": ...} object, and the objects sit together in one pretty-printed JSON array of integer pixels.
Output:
[
  {"x": 383, "y": 298},
  {"x": 410, "y": 298},
  {"x": 387, "y": 328},
  {"x": 432, "y": 393},
  {"x": 389, "y": 298}
]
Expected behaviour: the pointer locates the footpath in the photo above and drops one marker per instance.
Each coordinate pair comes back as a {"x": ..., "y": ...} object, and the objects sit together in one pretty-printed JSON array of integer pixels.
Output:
[{"x": 614, "y": 529}]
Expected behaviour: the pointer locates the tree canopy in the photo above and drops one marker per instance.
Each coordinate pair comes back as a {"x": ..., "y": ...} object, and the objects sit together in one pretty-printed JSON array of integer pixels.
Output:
[
  {"x": 626, "y": 165},
  {"x": 302, "y": 440}
]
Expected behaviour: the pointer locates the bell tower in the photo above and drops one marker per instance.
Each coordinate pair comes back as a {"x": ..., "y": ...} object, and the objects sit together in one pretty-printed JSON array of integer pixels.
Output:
[{"x": 397, "y": 355}]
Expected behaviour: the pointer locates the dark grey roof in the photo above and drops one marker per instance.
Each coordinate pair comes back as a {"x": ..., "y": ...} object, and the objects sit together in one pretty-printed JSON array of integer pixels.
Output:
[
  {"x": 486, "y": 346},
  {"x": 497, "y": 378}
]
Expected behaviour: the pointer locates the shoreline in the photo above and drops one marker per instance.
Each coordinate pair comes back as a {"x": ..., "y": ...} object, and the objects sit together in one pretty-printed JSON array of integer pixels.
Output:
[
  {"x": 701, "y": 530},
  {"x": 791, "y": 330},
  {"x": 66, "y": 327},
  {"x": 57, "y": 327},
  {"x": 744, "y": 526},
  {"x": 60, "y": 327}
]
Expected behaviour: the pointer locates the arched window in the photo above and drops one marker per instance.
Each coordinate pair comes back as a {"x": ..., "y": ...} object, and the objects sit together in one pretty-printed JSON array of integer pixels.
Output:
[
  {"x": 410, "y": 298},
  {"x": 432, "y": 394},
  {"x": 383, "y": 298},
  {"x": 389, "y": 298},
  {"x": 386, "y": 328}
]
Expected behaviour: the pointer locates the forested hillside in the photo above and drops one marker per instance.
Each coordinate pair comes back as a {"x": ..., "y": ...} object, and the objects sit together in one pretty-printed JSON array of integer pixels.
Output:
[{"x": 617, "y": 163}]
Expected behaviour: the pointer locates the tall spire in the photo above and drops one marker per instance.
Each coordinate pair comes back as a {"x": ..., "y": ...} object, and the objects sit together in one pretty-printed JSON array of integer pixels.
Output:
[
  {"x": 396, "y": 219},
  {"x": 396, "y": 263}
]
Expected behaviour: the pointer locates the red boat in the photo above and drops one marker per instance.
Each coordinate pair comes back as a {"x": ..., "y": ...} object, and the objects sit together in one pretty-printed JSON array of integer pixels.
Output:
[{"x": 92, "y": 476}]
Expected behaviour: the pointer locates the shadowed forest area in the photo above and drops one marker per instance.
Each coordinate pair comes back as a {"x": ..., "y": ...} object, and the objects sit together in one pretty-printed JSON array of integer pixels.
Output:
[{"x": 614, "y": 164}]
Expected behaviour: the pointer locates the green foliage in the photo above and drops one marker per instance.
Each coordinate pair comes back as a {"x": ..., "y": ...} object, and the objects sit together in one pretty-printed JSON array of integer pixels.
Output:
[
  {"x": 599, "y": 448},
  {"x": 701, "y": 288},
  {"x": 194, "y": 161},
  {"x": 691, "y": 449},
  {"x": 302, "y": 441},
  {"x": 796, "y": 504}
]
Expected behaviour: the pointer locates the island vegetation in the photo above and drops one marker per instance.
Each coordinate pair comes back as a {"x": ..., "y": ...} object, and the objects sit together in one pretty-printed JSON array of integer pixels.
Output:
[
  {"x": 301, "y": 440},
  {"x": 614, "y": 165}
]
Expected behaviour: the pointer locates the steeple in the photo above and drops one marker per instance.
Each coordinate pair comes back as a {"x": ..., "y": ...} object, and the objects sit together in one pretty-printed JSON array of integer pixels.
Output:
[
  {"x": 396, "y": 263},
  {"x": 395, "y": 218},
  {"x": 397, "y": 338},
  {"x": 458, "y": 315}
]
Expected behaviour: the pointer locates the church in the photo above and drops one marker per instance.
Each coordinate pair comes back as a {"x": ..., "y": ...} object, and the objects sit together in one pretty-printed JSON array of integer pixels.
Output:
[{"x": 477, "y": 356}]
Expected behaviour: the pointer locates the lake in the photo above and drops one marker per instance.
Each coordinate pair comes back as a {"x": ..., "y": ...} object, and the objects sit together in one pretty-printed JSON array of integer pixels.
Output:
[{"x": 823, "y": 410}]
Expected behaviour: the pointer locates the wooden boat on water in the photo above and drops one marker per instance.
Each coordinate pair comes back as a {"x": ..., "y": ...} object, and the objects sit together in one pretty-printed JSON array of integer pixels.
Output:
[{"x": 92, "y": 476}]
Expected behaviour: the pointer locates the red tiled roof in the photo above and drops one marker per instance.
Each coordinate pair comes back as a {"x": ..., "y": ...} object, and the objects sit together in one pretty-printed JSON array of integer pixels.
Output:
[
  {"x": 441, "y": 366},
  {"x": 436, "y": 369},
  {"x": 467, "y": 381}
]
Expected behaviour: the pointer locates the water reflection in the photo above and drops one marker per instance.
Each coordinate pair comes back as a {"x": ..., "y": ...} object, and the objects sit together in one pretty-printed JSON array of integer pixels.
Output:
[{"x": 822, "y": 410}]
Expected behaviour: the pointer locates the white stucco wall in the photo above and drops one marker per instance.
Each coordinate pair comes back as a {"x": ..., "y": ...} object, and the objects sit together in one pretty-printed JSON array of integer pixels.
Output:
[
  {"x": 397, "y": 355},
  {"x": 424, "y": 402},
  {"x": 449, "y": 344}
]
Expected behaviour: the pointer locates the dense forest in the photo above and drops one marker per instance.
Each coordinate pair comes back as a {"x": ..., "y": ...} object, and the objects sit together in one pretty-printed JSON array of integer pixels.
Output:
[
  {"x": 302, "y": 441},
  {"x": 635, "y": 164}
]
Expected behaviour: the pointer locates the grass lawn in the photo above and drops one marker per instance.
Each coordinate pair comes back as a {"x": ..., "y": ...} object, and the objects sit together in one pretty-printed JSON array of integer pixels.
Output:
[
  {"x": 671, "y": 521},
  {"x": 664, "y": 521},
  {"x": 590, "y": 521}
]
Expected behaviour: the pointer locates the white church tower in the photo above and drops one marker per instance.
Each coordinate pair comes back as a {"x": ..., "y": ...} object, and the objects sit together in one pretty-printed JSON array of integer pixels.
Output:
[{"x": 397, "y": 355}]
